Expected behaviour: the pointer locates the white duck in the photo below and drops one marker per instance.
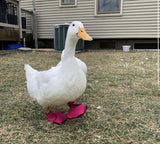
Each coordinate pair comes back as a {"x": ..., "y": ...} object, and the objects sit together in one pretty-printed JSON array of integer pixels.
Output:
[{"x": 66, "y": 81}]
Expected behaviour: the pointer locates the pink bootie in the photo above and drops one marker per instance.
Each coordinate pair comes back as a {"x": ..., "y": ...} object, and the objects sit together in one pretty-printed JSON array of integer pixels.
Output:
[
  {"x": 75, "y": 110},
  {"x": 58, "y": 117}
]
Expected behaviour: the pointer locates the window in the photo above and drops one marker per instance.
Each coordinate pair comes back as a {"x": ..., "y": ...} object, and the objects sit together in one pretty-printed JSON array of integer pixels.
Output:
[
  {"x": 67, "y": 3},
  {"x": 145, "y": 46},
  {"x": 108, "y": 7},
  {"x": 108, "y": 45}
]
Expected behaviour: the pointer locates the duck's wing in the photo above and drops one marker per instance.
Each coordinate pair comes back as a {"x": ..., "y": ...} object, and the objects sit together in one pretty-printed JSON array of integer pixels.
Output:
[
  {"x": 31, "y": 79},
  {"x": 45, "y": 76},
  {"x": 82, "y": 65},
  {"x": 37, "y": 80}
]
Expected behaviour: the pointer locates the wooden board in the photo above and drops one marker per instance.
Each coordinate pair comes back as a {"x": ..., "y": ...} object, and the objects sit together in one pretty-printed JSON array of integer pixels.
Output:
[
  {"x": 13, "y": 35},
  {"x": 9, "y": 35}
]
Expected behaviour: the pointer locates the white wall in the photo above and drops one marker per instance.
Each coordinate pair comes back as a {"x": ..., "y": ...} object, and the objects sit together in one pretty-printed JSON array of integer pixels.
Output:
[{"x": 138, "y": 19}]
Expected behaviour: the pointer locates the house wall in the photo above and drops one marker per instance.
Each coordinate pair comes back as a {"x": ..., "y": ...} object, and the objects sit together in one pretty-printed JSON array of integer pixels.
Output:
[
  {"x": 26, "y": 4},
  {"x": 138, "y": 19}
]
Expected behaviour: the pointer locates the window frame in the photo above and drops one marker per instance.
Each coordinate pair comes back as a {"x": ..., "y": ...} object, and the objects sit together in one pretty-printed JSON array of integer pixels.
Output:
[
  {"x": 109, "y": 13},
  {"x": 72, "y": 4}
]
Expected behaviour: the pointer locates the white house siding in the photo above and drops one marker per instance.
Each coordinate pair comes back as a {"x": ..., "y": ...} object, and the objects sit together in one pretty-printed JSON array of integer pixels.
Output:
[
  {"x": 26, "y": 4},
  {"x": 138, "y": 20}
]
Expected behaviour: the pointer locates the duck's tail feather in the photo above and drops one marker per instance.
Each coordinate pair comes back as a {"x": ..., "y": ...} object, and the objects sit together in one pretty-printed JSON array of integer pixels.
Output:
[{"x": 32, "y": 84}]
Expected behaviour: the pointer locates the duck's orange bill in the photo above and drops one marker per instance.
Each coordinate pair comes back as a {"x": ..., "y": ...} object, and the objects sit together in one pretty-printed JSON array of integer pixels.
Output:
[{"x": 83, "y": 34}]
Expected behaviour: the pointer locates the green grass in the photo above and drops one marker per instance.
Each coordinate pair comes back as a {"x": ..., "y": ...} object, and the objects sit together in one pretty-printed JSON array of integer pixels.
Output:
[{"x": 124, "y": 85}]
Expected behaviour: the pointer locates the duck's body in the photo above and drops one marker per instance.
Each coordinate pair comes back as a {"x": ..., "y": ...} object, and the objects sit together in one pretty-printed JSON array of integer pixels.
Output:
[
  {"x": 62, "y": 83},
  {"x": 56, "y": 86}
]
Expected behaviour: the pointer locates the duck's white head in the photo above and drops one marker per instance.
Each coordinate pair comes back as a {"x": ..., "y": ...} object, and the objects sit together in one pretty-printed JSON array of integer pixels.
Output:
[{"x": 76, "y": 30}]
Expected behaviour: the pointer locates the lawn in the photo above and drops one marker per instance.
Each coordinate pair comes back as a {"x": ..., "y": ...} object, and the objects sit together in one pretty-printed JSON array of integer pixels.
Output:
[{"x": 122, "y": 97}]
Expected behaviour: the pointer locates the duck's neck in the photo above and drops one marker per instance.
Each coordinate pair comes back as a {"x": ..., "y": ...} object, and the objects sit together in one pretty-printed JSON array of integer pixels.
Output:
[{"x": 70, "y": 45}]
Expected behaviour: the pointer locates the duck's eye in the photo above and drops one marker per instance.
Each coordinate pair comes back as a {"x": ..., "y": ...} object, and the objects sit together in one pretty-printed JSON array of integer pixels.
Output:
[{"x": 73, "y": 25}]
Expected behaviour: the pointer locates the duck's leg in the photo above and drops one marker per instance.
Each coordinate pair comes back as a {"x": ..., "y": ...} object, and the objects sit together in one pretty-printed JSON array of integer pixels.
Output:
[
  {"x": 75, "y": 110},
  {"x": 47, "y": 110},
  {"x": 58, "y": 117}
]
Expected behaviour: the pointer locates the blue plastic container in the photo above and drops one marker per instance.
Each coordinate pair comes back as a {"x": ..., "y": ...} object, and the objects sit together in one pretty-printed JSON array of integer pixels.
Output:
[{"x": 12, "y": 46}]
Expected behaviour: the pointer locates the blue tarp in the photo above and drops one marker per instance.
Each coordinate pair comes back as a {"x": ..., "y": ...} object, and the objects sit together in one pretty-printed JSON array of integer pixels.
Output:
[{"x": 12, "y": 46}]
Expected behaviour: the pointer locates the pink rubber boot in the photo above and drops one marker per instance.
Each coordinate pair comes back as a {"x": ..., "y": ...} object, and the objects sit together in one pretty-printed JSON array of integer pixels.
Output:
[
  {"x": 58, "y": 117},
  {"x": 75, "y": 110}
]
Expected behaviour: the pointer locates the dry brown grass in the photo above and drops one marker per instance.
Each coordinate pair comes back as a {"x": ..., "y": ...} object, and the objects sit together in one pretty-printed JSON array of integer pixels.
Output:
[{"x": 122, "y": 98}]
